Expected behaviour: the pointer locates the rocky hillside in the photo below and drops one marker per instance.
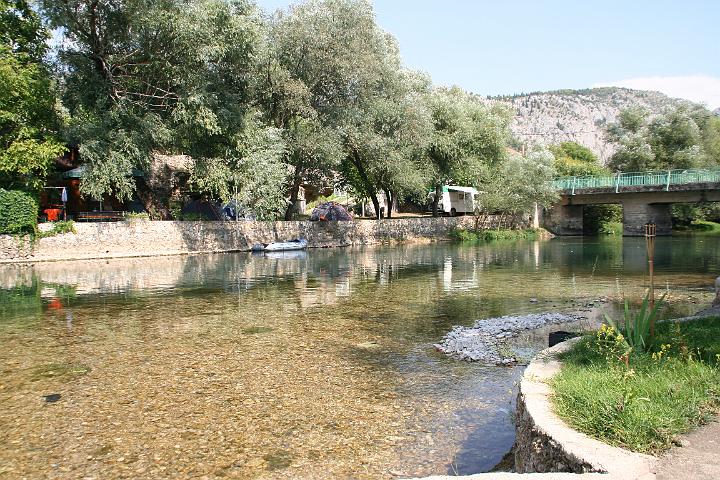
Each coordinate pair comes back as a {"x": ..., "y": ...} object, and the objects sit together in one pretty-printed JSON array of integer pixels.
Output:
[{"x": 577, "y": 115}]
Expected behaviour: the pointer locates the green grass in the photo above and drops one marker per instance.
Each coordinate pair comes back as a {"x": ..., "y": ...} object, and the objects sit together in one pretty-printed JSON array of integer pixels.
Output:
[
  {"x": 494, "y": 234},
  {"x": 646, "y": 406},
  {"x": 702, "y": 227}
]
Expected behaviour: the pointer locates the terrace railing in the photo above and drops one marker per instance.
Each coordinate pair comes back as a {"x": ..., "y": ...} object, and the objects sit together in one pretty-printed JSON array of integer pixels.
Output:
[{"x": 664, "y": 178}]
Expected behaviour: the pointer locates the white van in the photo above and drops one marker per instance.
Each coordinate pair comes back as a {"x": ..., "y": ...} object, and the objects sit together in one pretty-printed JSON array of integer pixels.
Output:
[{"x": 455, "y": 200}]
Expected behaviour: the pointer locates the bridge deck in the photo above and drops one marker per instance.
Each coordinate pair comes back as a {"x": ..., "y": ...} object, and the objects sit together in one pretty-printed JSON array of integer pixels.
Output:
[{"x": 668, "y": 180}]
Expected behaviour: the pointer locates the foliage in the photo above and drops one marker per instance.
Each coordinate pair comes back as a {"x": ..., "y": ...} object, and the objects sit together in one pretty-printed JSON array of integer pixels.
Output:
[
  {"x": 508, "y": 189},
  {"x": 602, "y": 219},
  {"x": 254, "y": 175},
  {"x": 467, "y": 137},
  {"x": 192, "y": 217},
  {"x": 315, "y": 94},
  {"x": 575, "y": 160},
  {"x": 137, "y": 216},
  {"x": 463, "y": 235},
  {"x": 58, "y": 228},
  {"x": 28, "y": 118},
  {"x": 637, "y": 326},
  {"x": 18, "y": 212},
  {"x": 660, "y": 394},
  {"x": 683, "y": 137},
  {"x": 145, "y": 76},
  {"x": 684, "y": 214},
  {"x": 611, "y": 228},
  {"x": 700, "y": 227}
]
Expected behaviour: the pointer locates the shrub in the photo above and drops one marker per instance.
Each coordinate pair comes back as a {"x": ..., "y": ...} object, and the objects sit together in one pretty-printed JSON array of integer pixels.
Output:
[
  {"x": 637, "y": 325},
  {"x": 462, "y": 235},
  {"x": 59, "y": 228},
  {"x": 18, "y": 212},
  {"x": 137, "y": 216}
]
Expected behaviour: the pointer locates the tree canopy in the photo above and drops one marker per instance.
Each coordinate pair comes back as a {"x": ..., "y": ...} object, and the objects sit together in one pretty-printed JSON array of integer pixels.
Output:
[
  {"x": 682, "y": 137},
  {"x": 315, "y": 94},
  {"x": 28, "y": 114}
]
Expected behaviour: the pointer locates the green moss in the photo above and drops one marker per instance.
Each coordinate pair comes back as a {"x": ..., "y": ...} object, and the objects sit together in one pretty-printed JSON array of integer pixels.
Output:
[
  {"x": 661, "y": 394},
  {"x": 59, "y": 370}
]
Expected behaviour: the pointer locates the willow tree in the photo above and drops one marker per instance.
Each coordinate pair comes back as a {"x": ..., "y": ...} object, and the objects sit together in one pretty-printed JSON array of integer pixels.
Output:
[
  {"x": 167, "y": 76},
  {"x": 335, "y": 85},
  {"x": 468, "y": 137}
]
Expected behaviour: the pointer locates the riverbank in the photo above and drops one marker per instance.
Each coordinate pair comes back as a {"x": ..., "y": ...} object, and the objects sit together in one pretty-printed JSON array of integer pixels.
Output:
[
  {"x": 646, "y": 404},
  {"x": 139, "y": 238}
]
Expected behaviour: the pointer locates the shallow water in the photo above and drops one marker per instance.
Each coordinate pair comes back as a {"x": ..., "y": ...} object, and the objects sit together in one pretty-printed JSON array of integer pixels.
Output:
[{"x": 316, "y": 364}]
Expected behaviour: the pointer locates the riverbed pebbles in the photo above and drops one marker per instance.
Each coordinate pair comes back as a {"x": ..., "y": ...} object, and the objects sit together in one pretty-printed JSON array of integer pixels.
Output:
[{"x": 490, "y": 340}]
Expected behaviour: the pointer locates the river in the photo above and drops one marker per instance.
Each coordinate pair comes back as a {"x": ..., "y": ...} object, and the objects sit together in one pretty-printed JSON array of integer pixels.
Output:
[{"x": 316, "y": 365}]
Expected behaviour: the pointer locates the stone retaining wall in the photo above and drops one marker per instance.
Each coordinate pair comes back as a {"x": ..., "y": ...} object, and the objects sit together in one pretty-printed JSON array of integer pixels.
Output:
[{"x": 148, "y": 238}]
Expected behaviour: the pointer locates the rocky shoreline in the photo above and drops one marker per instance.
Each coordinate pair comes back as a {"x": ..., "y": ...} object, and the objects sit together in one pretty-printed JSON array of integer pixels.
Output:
[{"x": 494, "y": 341}]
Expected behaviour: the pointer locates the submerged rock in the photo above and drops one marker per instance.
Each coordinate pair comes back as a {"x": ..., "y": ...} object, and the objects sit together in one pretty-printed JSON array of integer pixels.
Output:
[{"x": 489, "y": 340}]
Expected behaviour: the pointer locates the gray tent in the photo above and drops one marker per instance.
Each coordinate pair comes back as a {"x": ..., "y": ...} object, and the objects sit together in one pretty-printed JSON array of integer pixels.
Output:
[{"x": 330, "y": 212}]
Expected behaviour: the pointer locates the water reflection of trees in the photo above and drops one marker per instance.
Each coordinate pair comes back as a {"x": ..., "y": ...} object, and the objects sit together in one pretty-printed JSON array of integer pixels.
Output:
[{"x": 464, "y": 276}]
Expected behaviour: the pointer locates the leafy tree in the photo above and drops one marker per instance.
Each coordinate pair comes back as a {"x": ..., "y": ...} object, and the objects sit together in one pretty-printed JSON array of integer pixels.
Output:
[
  {"x": 573, "y": 159},
  {"x": 28, "y": 118},
  {"x": 683, "y": 137},
  {"x": 168, "y": 76},
  {"x": 467, "y": 137},
  {"x": 517, "y": 184},
  {"x": 333, "y": 75}
]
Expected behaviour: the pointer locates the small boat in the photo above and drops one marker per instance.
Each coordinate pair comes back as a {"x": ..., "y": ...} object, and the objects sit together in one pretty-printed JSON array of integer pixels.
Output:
[{"x": 296, "y": 244}]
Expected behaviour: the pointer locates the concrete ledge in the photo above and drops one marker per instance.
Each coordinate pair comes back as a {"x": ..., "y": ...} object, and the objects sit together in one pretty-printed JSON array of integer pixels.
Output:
[
  {"x": 546, "y": 444},
  {"x": 548, "y": 449}
]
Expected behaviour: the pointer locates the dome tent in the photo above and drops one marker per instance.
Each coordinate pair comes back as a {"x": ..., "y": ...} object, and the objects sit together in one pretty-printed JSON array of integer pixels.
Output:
[{"x": 330, "y": 212}]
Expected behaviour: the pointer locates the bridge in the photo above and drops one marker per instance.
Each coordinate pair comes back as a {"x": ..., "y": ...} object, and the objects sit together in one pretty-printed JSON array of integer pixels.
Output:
[{"x": 646, "y": 197}]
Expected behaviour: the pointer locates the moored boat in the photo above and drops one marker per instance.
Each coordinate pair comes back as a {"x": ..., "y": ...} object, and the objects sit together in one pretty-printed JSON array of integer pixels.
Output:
[{"x": 296, "y": 244}]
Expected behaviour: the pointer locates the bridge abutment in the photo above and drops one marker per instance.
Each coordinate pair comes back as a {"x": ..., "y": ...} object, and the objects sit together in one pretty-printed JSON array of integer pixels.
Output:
[
  {"x": 636, "y": 215},
  {"x": 564, "y": 219}
]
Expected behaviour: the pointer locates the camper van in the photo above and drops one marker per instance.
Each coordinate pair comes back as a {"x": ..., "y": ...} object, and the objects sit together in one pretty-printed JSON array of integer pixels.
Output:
[{"x": 455, "y": 200}]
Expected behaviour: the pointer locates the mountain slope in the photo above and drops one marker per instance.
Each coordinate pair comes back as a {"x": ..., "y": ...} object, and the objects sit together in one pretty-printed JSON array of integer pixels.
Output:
[{"x": 547, "y": 118}]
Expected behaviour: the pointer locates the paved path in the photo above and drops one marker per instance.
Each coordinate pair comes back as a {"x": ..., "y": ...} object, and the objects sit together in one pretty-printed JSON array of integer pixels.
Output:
[{"x": 698, "y": 458}]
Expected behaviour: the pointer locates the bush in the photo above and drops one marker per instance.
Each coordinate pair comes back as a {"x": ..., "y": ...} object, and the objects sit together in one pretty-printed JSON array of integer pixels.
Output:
[
  {"x": 137, "y": 216},
  {"x": 18, "y": 212},
  {"x": 59, "y": 228},
  {"x": 600, "y": 219},
  {"x": 462, "y": 235}
]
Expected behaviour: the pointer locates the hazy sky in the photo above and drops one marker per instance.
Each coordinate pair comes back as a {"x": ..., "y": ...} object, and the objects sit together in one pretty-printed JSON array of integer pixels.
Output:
[{"x": 511, "y": 46}]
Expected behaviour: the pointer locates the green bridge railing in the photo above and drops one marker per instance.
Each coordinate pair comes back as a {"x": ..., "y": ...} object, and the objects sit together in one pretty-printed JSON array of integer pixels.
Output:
[{"x": 664, "y": 178}]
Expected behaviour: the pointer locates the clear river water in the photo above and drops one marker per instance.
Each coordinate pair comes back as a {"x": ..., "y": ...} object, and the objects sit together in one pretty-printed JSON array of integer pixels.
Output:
[{"x": 317, "y": 364}]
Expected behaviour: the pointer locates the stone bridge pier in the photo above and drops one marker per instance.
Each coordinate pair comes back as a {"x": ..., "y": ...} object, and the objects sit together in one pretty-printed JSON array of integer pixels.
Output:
[
  {"x": 645, "y": 198},
  {"x": 568, "y": 219},
  {"x": 636, "y": 215}
]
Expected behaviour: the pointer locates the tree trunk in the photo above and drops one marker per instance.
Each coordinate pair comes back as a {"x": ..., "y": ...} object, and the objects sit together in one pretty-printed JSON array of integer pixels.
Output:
[
  {"x": 155, "y": 204},
  {"x": 388, "y": 197},
  {"x": 369, "y": 187},
  {"x": 436, "y": 200},
  {"x": 376, "y": 204},
  {"x": 294, "y": 193}
]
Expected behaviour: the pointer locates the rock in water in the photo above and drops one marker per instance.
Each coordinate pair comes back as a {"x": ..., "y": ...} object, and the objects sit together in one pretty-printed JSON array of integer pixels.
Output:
[{"x": 486, "y": 341}]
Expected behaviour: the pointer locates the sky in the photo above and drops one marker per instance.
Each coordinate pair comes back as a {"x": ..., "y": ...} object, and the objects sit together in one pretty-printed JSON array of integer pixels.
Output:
[{"x": 496, "y": 47}]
